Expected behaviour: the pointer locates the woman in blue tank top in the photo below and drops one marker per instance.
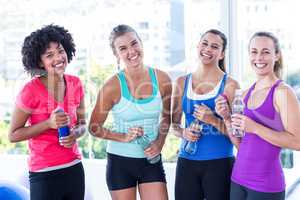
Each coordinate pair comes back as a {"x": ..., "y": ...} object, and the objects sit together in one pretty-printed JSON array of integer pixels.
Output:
[
  {"x": 139, "y": 98},
  {"x": 270, "y": 121},
  {"x": 204, "y": 174}
]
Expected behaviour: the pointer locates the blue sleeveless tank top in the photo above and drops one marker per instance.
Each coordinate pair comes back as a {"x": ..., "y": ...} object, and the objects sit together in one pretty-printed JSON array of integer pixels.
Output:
[
  {"x": 212, "y": 144},
  {"x": 131, "y": 112}
]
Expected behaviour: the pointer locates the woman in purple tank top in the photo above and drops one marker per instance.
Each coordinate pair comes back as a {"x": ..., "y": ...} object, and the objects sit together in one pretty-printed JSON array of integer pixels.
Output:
[{"x": 270, "y": 122}]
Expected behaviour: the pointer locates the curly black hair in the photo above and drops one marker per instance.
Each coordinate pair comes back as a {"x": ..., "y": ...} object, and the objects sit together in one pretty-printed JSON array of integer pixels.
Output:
[{"x": 37, "y": 43}]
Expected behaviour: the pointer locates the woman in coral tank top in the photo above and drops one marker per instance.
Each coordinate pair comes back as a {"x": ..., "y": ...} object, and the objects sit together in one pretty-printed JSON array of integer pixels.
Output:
[{"x": 55, "y": 168}]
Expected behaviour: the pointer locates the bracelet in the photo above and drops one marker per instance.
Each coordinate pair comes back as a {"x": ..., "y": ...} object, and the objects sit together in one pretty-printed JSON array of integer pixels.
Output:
[
  {"x": 79, "y": 131},
  {"x": 225, "y": 96}
]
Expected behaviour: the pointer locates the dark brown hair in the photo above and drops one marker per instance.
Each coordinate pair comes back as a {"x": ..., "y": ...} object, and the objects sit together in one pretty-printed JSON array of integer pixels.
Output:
[{"x": 224, "y": 39}]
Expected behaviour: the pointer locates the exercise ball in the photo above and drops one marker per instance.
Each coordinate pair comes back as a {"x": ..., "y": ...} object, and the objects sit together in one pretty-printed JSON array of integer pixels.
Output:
[{"x": 13, "y": 191}]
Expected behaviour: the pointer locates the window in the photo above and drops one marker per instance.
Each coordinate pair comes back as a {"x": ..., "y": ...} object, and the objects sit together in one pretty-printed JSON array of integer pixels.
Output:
[{"x": 253, "y": 16}]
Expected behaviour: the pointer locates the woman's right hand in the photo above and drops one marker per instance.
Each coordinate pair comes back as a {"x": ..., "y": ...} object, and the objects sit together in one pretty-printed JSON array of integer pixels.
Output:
[
  {"x": 133, "y": 133},
  {"x": 188, "y": 134},
  {"x": 58, "y": 119},
  {"x": 222, "y": 107}
]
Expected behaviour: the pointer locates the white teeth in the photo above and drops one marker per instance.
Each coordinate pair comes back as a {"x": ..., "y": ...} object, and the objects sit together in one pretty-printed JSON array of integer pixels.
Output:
[
  {"x": 59, "y": 65},
  {"x": 206, "y": 55},
  {"x": 133, "y": 58},
  {"x": 260, "y": 65}
]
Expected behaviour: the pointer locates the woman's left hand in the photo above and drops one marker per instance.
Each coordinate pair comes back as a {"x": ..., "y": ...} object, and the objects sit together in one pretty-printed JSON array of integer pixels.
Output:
[
  {"x": 242, "y": 122},
  {"x": 154, "y": 149},
  {"x": 68, "y": 141},
  {"x": 204, "y": 113}
]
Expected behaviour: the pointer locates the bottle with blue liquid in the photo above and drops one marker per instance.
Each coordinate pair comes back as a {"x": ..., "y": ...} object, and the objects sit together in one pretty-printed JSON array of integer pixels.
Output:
[
  {"x": 191, "y": 147},
  {"x": 64, "y": 130}
]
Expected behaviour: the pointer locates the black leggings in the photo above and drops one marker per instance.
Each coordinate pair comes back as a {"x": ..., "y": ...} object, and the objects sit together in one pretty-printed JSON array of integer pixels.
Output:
[
  {"x": 198, "y": 180},
  {"x": 239, "y": 192},
  {"x": 61, "y": 184}
]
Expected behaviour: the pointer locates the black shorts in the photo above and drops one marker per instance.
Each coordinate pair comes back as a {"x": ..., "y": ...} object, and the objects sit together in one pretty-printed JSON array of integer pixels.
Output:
[
  {"x": 66, "y": 183},
  {"x": 124, "y": 172},
  {"x": 207, "y": 179},
  {"x": 239, "y": 192}
]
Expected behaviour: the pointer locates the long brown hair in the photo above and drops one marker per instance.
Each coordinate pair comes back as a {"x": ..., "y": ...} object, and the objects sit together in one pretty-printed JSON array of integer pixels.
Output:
[{"x": 278, "y": 64}]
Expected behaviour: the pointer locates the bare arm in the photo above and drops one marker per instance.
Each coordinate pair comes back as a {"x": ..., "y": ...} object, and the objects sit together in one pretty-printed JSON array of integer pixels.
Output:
[
  {"x": 165, "y": 87},
  {"x": 176, "y": 110},
  {"x": 205, "y": 114},
  {"x": 223, "y": 108},
  {"x": 108, "y": 95},
  {"x": 80, "y": 127},
  {"x": 287, "y": 105},
  {"x": 19, "y": 132},
  {"x": 176, "y": 107}
]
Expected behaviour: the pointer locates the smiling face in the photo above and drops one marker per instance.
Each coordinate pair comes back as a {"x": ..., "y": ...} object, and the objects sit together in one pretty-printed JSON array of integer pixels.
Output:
[
  {"x": 55, "y": 59},
  {"x": 129, "y": 49},
  {"x": 210, "y": 49},
  {"x": 263, "y": 55}
]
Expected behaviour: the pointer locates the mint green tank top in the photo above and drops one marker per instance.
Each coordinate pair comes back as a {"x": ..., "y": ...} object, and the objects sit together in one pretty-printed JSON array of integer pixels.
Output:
[{"x": 131, "y": 112}]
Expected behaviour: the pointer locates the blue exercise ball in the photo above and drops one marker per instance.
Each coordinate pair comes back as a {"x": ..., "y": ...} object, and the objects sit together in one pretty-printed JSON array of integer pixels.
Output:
[{"x": 13, "y": 191}]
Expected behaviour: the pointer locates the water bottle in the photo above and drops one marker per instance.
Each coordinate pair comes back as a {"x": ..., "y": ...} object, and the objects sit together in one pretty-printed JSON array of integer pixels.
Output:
[
  {"x": 191, "y": 147},
  {"x": 145, "y": 142},
  {"x": 286, "y": 158},
  {"x": 64, "y": 130},
  {"x": 238, "y": 108}
]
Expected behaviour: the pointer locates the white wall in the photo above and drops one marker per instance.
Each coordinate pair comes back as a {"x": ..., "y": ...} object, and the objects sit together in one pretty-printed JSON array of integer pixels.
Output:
[{"x": 14, "y": 168}]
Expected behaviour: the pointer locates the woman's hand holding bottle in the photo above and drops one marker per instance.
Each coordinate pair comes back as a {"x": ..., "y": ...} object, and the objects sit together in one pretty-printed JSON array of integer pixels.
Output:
[
  {"x": 132, "y": 134},
  {"x": 189, "y": 133},
  {"x": 222, "y": 107}
]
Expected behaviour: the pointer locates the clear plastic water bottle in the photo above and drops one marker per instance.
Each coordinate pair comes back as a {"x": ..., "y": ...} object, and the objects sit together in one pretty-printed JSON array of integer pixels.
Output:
[
  {"x": 287, "y": 158},
  {"x": 238, "y": 108},
  {"x": 145, "y": 142},
  {"x": 64, "y": 130},
  {"x": 191, "y": 147}
]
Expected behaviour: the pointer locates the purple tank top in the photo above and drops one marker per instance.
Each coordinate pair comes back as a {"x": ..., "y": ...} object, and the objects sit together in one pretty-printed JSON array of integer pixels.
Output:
[{"x": 257, "y": 165}]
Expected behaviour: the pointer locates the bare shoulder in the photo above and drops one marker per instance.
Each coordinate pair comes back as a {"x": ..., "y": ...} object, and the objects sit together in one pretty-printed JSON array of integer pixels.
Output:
[
  {"x": 112, "y": 82},
  {"x": 285, "y": 90},
  {"x": 180, "y": 81},
  {"x": 163, "y": 77},
  {"x": 232, "y": 83},
  {"x": 230, "y": 87},
  {"x": 111, "y": 89},
  {"x": 165, "y": 83},
  {"x": 286, "y": 100}
]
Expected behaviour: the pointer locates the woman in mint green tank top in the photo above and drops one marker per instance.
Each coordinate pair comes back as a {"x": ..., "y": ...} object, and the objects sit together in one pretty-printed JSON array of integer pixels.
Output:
[{"x": 139, "y": 99}]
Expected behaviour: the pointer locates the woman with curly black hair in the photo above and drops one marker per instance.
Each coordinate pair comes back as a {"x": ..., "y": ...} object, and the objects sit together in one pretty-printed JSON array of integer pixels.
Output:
[{"x": 55, "y": 168}]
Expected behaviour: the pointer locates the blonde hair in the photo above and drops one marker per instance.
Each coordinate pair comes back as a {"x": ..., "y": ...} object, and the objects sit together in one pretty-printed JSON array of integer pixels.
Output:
[{"x": 119, "y": 31}]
